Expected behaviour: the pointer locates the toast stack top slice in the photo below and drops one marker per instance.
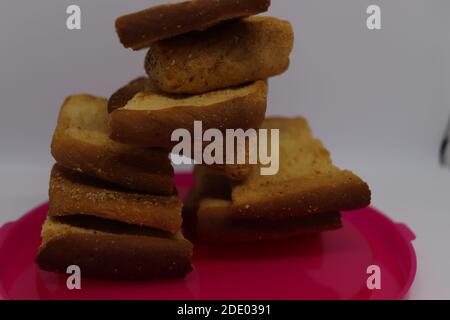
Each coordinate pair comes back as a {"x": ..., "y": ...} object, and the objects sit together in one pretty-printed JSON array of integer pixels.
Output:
[
  {"x": 81, "y": 142},
  {"x": 307, "y": 181},
  {"x": 72, "y": 193},
  {"x": 140, "y": 29}
]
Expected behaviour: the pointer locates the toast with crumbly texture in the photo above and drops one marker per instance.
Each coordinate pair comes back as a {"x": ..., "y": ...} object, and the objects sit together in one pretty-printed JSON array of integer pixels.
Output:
[
  {"x": 307, "y": 182},
  {"x": 226, "y": 55},
  {"x": 208, "y": 215},
  {"x": 72, "y": 193},
  {"x": 110, "y": 250},
  {"x": 236, "y": 172},
  {"x": 149, "y": 118},
  {"x": 121, "y": 97},
  {"x": 140, "y": 29},
  {"x": 81, "y": 142}
]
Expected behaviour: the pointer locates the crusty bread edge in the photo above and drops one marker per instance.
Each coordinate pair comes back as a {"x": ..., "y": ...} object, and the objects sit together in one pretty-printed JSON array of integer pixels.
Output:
[
  {"x": 222, "y": 228},
  {"x": 155, "y": 128},
  {"x": 138, "y": 30},
  {"x": 351, "y": 195},
  {"x": 104, "y": 164},
  {"x": 62, "y": 203},
  {"x": 119, "y": 258}
]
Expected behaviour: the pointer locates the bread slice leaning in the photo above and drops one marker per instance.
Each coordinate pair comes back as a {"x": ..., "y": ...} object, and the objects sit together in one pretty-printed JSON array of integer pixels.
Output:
[
  {"x": 208, "y": 215},
  {"x": 72, "y": 193},
  {"x": 138, "y": 30},
  {"x": 307, "y": 182},
  {"x": 150, "y": 118},
  {"x": 81, "y": 142},
  {"x": 105, "y": 249},
  {"x": 230, "y": 54}
]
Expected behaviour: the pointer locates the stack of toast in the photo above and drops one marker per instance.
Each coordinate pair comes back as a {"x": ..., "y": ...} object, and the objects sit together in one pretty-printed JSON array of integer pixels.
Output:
[{"x": 114, "y": 210}]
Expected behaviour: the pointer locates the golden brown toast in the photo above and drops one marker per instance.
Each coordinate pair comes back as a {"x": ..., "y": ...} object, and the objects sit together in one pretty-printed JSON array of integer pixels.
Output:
[
  {"x": 149, "y": 118},
  {"x": 139, "y": 30},
  {"x": 81, "y": 142},
  {"x": 209, "y": 216},
  {"x": 121, "y": 97},
  {"x": 227, "y": 55},
  {"x": 307, "y": 182},
  {"x": 72, "y": 193},
  {"x": 111, "y": 250}
]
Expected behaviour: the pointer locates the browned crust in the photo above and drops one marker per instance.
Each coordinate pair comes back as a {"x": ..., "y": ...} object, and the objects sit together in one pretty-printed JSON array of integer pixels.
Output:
[
  {"x": 217, "y": 225},
  {"x": 340, "y": 192},
  {"x": 211, "y": 222},
  {"x": 224, "y": 56},
  {"x": 236, "y": 172},
  {"x": 121, "y": 97},
  {"x": 344, "y": 192},
  {"x": 138, "y": 30},
  {"x": 72, "y": 193},
  {"x": 117, "y": 257},
  {"x": 155, "y": 128},
  {"x": 145, "y": 170}
]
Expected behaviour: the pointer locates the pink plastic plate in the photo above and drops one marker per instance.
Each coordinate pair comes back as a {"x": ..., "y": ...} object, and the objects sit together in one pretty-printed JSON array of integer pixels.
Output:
[{"x": 330, "y": 266}]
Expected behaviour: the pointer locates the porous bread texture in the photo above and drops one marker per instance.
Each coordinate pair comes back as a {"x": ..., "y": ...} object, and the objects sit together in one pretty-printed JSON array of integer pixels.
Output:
[
  {"x": 81, "y": 142},
  {"x": 208, "y": 213},
  {"x": 149, "y": 118},
  {"x": 121, "y": 97},
  {"x": 110, "y": 250},
  {"x": 226, "y": 55},
  {"x": 72, "y": 193},
  {"x": 143, "y": 86},
  {"x": 152, "y": 101},
  {"x": 138, "y": 30},
  {"x": 307, "y": 182},
  {"x": 236, "y": 172}
]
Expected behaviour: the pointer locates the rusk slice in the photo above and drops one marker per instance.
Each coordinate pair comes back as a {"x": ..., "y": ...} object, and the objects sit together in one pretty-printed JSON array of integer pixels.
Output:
[
  {"x": 110, "y": 250},
  {"x": 227, "y": 55},
  {"x": 121, "y": 97},
  {"x": 307, "y": 182},
  {"x": 149, "y": 118},
  {"x": 138, "y": 30},
  {"x": 209, "y": 215},
  {"x": 81, "y": 142},
  {"x": 72, "y": 193}
]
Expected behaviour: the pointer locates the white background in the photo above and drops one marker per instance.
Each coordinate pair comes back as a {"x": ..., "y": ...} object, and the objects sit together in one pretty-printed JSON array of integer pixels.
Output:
[{"x": 380, "y": 100}]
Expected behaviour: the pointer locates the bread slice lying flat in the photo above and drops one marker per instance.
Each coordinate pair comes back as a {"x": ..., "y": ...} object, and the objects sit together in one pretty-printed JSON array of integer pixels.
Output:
[
  {"x": 149, "y": 118},
  {"x": 208, "y": 214},
  {"x": 226, "y": 55},
  {"x": 72, "y": 193},
  {"x": 307, "y": 182},
  {"x": 81, "y": 142},
  {"x": 110, "y": 250},
  {"x": 138, "y": 30}
]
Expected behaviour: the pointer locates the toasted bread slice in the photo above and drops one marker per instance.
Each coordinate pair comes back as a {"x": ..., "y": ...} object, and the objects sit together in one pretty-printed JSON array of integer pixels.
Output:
[
  {"x": 111, "y": 250},
  {"x": 226, "y": 55},
  {"x": 139, "y": 30},
  {"x": 208, "y": 214},
  {"x": 121, "y": 97},
  {"x": 72, "y": 193},
  {"x": 307, "y": 182},
  {"x": 236, "y": 172},
  {"x": 150, "y": 118},
  {"x": 81, "y": 142}
]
